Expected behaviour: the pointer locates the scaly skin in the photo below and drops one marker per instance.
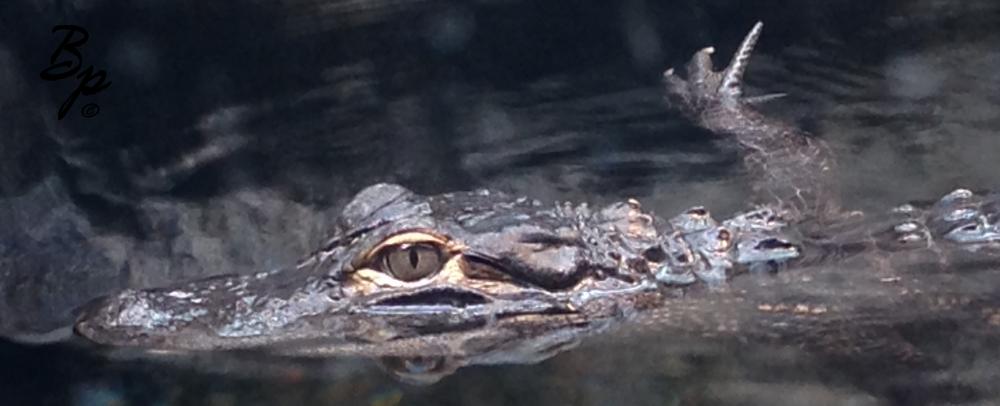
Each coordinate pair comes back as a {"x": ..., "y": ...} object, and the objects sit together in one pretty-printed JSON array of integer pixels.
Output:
[{"x": 512, "y": 280}]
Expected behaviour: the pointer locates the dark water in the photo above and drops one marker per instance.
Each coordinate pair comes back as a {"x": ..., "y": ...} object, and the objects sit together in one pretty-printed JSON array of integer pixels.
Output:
[{"x": 232, "y": 134}]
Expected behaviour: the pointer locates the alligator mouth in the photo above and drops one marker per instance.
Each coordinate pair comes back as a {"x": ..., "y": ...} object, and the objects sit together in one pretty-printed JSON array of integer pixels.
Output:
[
  {"x": 462, "y": 302},
  {"x": 458, "y": 298}
]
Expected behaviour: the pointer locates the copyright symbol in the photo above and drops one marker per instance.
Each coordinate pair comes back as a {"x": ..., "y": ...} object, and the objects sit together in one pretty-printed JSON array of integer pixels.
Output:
[{"x": 89, "y": 110}]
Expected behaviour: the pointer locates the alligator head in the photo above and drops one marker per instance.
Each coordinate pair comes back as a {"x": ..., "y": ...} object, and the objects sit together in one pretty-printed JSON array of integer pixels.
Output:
[{"x": 402, "y": 265}]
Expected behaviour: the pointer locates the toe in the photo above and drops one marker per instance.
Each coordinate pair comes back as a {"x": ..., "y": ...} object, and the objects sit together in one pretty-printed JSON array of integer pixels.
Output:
[{"x": 700, "y": 66}]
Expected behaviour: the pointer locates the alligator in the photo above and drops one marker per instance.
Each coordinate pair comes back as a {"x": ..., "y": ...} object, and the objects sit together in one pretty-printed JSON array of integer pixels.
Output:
[{"x": 431, "y": 283}]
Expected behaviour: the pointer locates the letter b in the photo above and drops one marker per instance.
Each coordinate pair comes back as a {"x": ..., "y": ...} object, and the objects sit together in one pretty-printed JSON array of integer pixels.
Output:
[{"x": 64, "y": 69}]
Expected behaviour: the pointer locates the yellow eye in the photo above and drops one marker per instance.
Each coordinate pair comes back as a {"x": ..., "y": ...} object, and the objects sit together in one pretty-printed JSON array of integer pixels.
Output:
[{"x": 409, "y": 262}]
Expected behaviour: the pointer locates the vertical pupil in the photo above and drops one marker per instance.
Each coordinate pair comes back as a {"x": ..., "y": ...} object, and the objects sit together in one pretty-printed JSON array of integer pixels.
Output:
[{"x": 414, "y": 257}]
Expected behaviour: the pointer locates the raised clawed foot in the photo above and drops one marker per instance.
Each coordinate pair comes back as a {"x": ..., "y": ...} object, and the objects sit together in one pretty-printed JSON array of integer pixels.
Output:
[{"x": 705, "y": 89}]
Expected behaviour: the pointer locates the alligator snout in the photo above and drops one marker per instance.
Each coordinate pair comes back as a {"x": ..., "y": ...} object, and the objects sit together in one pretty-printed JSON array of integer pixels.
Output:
[{"x": 126, "y": 318}]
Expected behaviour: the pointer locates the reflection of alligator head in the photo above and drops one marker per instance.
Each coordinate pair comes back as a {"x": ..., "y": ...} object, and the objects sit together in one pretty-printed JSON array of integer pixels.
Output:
[{"x": 436, "y": 282}]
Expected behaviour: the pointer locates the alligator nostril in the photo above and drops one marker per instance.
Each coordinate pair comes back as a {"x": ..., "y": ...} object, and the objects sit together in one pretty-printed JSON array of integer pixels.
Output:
[{"x": 92, "y": 318}]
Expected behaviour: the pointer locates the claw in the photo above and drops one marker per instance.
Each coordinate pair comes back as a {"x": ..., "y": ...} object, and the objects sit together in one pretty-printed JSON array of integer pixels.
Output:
[
  {"x": 732, "y": 77},
  {"x": 675, "y": 85},
  {"x": 700, "y": 67},
  {"x": 702, "y": 87}
]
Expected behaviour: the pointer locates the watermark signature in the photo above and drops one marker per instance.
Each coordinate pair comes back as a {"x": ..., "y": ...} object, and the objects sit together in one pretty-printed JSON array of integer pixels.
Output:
[{"x": 66, "y": 63}]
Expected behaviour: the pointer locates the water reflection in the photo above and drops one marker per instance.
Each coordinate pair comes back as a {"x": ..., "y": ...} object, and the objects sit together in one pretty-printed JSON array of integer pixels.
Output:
[{"x": 419, "y": 360}]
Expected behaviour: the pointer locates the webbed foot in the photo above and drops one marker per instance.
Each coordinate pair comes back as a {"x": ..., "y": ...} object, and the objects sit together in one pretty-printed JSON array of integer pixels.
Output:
[{"x": 705, "y": 90}]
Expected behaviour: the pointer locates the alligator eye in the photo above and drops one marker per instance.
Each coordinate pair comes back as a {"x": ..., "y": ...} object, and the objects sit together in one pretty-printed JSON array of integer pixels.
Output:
[{"x": 409, "y": 262}]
